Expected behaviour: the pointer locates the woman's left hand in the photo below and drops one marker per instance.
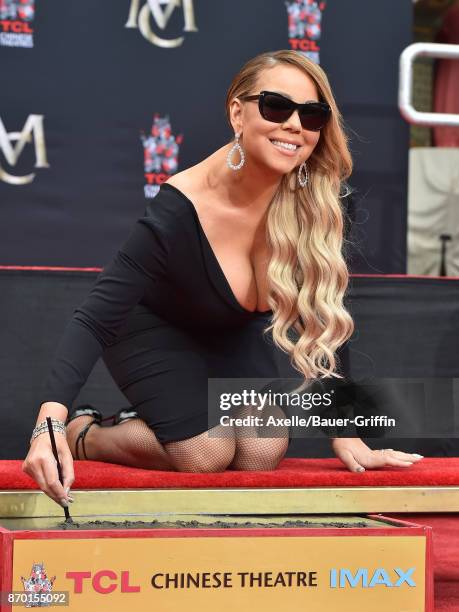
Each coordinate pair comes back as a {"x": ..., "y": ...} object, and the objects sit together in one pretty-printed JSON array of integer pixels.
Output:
[{"x": 358, "y": 457}]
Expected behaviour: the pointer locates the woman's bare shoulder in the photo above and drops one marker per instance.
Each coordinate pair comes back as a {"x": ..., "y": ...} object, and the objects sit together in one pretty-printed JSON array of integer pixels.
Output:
[
  {"x": 187, "y": 180},
  {"x": 195, "y": 181},
  {"x": 166, "y": 208}
]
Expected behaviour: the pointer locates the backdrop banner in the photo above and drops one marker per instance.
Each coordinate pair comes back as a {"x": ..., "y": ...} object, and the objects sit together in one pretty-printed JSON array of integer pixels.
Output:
[{"x": 104, "y": 100}]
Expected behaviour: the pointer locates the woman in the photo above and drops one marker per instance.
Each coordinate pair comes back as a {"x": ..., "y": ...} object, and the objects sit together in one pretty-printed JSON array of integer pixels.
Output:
[{"x": 247, "y": 241}]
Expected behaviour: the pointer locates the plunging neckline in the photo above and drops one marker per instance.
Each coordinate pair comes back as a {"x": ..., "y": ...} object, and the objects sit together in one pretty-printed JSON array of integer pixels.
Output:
[{"x": 211, "y": 252}]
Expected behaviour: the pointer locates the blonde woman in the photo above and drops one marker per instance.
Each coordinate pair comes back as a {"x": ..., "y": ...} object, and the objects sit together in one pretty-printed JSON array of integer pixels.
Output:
[{"x": 238, "y": 259}]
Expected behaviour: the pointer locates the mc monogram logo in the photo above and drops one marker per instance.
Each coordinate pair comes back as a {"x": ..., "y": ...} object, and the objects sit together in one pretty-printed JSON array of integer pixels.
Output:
[
  {"x": 140, "y": 17},
  {"x": 32, "y": 127}
]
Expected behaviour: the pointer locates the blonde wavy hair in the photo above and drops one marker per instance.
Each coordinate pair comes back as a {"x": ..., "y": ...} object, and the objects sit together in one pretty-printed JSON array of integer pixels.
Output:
[{"x": 307, "y": 273}]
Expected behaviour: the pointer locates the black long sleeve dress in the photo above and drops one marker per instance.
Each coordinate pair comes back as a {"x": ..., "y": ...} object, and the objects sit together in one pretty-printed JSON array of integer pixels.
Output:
[{"x": 164, "y": 319}]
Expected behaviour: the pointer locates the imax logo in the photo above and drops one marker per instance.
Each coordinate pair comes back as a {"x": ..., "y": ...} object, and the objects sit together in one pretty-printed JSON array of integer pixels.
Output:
[{"x": 363, "y": 577}]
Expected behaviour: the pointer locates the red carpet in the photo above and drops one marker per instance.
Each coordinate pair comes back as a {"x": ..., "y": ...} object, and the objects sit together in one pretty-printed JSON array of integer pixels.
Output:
[
  {"x": 438, "y": 471},
  {"x": 445, "y": 529}
]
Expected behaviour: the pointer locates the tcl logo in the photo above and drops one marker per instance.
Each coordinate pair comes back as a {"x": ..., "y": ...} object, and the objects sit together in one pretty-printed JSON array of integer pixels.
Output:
[{"x": 103, "y": 582}]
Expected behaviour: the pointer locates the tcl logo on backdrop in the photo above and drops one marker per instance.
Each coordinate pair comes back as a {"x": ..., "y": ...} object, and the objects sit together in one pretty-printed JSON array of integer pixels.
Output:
[
  {"x": 140, "y": 17},
  {"x": 16, "y": 18},
  {"x": 160, "y": 151},
  {"x": 305, "y": 26}
]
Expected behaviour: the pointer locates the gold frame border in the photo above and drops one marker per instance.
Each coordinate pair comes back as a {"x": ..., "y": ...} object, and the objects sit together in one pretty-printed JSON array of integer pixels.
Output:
[{"x": 318, "y": 500}]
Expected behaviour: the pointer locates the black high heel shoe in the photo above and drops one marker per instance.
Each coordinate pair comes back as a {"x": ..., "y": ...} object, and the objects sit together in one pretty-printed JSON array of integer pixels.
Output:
[{"x": 123, "y": 414}]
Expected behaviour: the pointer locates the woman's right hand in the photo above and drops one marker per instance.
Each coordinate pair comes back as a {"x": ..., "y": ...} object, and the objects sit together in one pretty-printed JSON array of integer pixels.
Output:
[{"x": 40, "y": 463}]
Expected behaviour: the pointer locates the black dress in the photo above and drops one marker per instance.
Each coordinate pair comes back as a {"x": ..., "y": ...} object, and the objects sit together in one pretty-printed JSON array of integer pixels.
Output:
[{"x": 164, "y": 319}]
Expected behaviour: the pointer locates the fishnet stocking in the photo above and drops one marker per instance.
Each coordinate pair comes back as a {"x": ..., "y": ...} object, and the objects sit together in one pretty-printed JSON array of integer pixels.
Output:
[
  {"x": 133, "y": 443},
  {"x": 210, "y": 451},
  {"x": 260, "y": 447},
  {"x": 130, "y": 443}
]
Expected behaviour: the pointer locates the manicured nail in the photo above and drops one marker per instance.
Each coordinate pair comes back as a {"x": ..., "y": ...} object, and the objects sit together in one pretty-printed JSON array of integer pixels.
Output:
[
  {"x": 418, "y": 456},
  {"x": 64, "y": 503},
  {"x": 71, "y": 500},
  {"x": 360, "y": 469}
]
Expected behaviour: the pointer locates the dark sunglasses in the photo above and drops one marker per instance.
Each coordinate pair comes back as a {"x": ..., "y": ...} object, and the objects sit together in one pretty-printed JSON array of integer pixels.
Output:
[{"x": 277, "y": 108}]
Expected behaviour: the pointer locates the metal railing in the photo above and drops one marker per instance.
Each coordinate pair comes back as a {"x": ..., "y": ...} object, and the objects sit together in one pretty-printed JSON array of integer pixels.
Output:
[{"x": 405, "y": 88}]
